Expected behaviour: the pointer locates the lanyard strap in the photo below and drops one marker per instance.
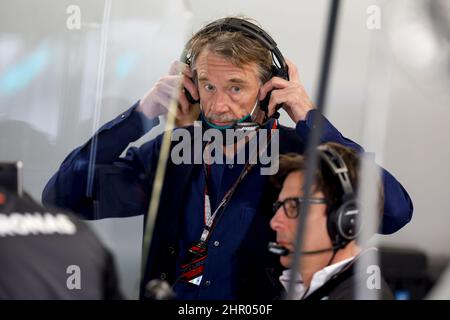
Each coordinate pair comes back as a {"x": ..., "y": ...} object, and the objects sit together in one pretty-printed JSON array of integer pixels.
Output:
[{"x": 210, "y": 219}]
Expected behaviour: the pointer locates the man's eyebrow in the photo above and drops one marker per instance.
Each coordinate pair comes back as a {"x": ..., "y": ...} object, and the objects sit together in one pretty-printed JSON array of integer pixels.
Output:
[
  {"x": 232, "y": 80},
  {"x": 237, "y": 81}
]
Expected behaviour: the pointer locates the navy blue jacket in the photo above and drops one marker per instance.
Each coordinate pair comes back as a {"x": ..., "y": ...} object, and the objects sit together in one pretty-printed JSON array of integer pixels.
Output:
[{"x": 121, "y": 187}]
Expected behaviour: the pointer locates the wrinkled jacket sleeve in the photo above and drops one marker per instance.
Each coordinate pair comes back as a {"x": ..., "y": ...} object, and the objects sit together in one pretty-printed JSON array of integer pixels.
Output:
[
  {"x": 398, "y": 207},
  {"x": 95, "y": 181}
]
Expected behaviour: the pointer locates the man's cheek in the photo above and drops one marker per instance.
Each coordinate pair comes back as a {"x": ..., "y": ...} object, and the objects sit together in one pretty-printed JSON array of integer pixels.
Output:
[
  {"x": 206, "y": 107},
  {"x": 238, "y": 111}
]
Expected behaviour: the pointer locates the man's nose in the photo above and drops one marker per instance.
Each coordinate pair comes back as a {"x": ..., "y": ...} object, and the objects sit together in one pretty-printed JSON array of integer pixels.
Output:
[
  {"x": 277, "y": 220},
  {"x": 220, "y": 103}
]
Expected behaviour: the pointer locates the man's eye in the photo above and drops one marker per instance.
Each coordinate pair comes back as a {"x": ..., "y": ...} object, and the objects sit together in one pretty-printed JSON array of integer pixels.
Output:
[
  {"x": 236, "y": 89},
  {"x": 209, "y": 87},
  {"x": 291, "y": 205}
]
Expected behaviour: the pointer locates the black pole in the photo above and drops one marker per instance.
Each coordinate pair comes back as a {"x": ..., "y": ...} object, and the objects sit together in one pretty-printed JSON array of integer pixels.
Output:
[{"x": 314, "y": 140}]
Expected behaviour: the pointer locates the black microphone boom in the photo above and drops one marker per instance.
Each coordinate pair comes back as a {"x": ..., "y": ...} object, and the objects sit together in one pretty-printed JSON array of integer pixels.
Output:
[
  {"x": 279, "y": 250},
  {"x": 320, "y": 250}
]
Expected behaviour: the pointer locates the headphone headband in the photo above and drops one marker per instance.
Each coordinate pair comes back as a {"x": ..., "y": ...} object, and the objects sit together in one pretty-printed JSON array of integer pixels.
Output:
[
  {"x": 343, "y": 220},
  {"x": 236, "y": 24},
  {"x": 337, "y": 166}
]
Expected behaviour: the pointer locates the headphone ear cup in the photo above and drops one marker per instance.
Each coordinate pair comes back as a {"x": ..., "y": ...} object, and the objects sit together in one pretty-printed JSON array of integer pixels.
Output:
[
  {"x": 343, "y": 224},
  {"x": 331, "y": 227},
  {"x": 280, "y": 72},
  {"x": 264, "y": 104},
  {"x": 189, "y": 97},
  {"x": 348, "y": 224},
  {"x": 186, "y": 91}
]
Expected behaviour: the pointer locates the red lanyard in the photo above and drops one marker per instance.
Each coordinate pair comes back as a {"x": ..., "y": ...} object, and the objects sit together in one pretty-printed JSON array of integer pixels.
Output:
[{"x": 210, "y": 219}]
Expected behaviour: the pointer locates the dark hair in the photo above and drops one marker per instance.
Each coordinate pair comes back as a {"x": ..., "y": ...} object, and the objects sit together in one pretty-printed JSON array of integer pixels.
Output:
[{"x": 325, "y": 180}]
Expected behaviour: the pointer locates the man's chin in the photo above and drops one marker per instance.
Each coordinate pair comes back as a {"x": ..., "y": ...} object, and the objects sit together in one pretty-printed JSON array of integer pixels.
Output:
[{"x": 286, "y": 261}]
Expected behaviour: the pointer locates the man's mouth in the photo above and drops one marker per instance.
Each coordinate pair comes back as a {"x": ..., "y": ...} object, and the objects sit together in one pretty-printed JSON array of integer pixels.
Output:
[
  {"x": 285, "y": 244},
  {"x": 222, "y": 123}
]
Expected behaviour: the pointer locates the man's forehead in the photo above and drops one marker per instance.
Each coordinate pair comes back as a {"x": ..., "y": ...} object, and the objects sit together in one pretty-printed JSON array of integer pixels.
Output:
[
  {"x": 292, "y": 185},
  {"x": 210, "y": 65}
]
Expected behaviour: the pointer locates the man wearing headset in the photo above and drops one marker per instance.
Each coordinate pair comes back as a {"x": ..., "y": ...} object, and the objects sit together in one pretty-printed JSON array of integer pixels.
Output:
[
  {"x": 329, "y": 250},
  {"x": 231, "y": 76}
]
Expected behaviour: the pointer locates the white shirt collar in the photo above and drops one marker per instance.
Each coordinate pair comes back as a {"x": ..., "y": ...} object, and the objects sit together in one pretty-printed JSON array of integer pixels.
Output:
[{"x": 319, "y": 279}]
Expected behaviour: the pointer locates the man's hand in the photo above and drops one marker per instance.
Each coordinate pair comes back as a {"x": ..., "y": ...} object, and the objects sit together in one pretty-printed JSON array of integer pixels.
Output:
[
  {"x": 290, "y": 93},
  {"x": 156, "y": 101}
]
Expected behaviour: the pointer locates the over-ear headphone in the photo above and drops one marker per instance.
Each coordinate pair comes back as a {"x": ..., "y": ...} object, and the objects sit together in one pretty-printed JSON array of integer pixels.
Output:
[
  {"x": 343, "y": 223},
  {"x": 279, "y": 66}
]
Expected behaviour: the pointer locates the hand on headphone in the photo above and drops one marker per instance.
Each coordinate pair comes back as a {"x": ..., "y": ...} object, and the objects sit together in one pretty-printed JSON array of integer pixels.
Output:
[
  {"x": 157, "y": 100},
  {"x": 291, "y": 94}
]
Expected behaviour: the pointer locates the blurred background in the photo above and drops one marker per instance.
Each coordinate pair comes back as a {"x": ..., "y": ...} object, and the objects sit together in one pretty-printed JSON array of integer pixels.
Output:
[{"x": 67, "y": 67}]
